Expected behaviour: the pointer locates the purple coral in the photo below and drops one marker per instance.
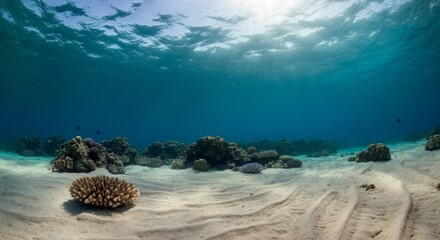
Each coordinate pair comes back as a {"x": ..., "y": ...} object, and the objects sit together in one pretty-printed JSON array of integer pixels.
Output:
[
  {"x": 91, "y": 143},
  {"x": 252, "y": 167}
]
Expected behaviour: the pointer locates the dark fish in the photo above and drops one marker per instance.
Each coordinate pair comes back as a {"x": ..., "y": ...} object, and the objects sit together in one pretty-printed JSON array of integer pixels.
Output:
[
  {"x": 359, "y": 123},
  {"x": 397, "y": 120},
  {"x": 98, "y": 132},
  {"x": 152, "y": 138},
  {"x": 78, "y": 128}
]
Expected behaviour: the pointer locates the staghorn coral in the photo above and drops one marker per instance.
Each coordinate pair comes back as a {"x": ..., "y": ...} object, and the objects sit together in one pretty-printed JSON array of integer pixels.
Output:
[
  {"x": 252, "y": 167},
  {"x": 104, "y": 191}
]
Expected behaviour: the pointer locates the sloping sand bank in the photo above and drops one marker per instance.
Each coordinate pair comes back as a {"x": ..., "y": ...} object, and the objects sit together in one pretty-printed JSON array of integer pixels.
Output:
[{"x": 322, "y": 200}]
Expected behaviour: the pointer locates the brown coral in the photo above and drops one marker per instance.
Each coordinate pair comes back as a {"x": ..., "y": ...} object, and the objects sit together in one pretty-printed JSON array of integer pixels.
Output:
[
  {"x": 104, "y": 191},
  {"x": 433, "y": 143},
  {"x": 63, "y": 165},
  {"x": 375, "y": 152}
]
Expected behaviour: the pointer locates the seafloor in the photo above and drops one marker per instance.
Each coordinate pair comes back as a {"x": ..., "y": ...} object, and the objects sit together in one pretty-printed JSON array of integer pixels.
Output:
[{"x": 321, "y": 200}]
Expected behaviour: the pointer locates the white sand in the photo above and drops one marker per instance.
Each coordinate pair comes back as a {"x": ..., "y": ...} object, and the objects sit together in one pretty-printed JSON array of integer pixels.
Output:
[{"x": 322, "y": 200}]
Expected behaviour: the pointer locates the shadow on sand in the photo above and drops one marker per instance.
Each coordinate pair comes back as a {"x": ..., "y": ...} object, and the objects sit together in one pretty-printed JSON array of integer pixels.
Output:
[{"x": 75, "y": 207}]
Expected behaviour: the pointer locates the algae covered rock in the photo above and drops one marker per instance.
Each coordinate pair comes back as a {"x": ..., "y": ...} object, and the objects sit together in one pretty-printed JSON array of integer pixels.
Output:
[
  {"x": 178, "y": 164},
  {"x": 201, "y": 165},
  {"x": 167, "y": 150},
  {"x": 265, "y": 157},
  {"x": 284, "y": 161},
  {"x": 120, "y": 147},
  {"x": 433, "y": 143},
  {"x": 375, "y": 152},
  {"x": 216, "y": 151},
  {"x": 73, "y": 156}
]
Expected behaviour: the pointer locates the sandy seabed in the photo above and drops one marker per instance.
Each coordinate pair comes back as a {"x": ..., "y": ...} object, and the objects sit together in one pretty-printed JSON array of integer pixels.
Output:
[{"x": 321, "y": 200}]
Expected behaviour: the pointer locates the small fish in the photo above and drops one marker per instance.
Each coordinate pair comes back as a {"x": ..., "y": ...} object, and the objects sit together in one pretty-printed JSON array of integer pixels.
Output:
[
  {"x": 358, "y": 123},
  {"x": 397, "y": 120},
  {"x": 78, "y": 128},
  {"x": 98, "y": 132},
  {"x": 152, "y": 138}
]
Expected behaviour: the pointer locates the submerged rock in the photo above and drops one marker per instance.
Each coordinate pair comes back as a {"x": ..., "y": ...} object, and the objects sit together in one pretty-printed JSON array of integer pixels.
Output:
[
  {"x": 201, "y": 165},
  {"x": 120, "y": 147},
  {"x": 433, "y": 143},
  {"x": 216, "y": 151},
  {"x": 284, "y": 161},
  {"x": 375, "y": 152},
  {"x": 178, "y": 164},
  {"x": 167, "y": 150},
  {"x": 265, "y": 157}
]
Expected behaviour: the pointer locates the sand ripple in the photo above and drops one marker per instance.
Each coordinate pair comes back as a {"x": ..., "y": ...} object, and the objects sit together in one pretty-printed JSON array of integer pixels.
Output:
[{"x": 317, "y": 203}]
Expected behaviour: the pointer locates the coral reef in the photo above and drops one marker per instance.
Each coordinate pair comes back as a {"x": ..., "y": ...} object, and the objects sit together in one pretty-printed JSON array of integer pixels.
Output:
[
  {"x": 120, "y": 147},
  {"x": 52, "y": 144},
  {"x": 30, "y": 146},
  {"x": 104, "y": 191},
  {"x": 201, "y": 165},
  {"x": 167, "y": 150},
  {"x": 251, "y": 150},
  {"x": 252, "y": 167},
  {"x": 216, "y": 151},
  {"x": 63, "y": 165},
  {"x": 284, "y": 161},
  {"x": 33, "y": 145},
  {"x": 76, "y": 152},
  {"x": 433, "y": 143},
  {"x": 149, "y": 162},
  {"x": 265, "y": 156},
  {"x": 115, "y": 169},
  {"x": 313, "y": 148},
  {"x": 434, "y": 131},
  {"x": 375, "y": 152}
]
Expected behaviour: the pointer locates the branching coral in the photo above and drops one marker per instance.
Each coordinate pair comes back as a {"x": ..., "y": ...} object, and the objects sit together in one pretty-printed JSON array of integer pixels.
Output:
[{"x": 104, "y": 191}]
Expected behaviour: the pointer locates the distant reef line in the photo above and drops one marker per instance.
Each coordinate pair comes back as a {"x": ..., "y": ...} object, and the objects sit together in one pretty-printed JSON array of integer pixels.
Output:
[{"x": 35, "y": 145}]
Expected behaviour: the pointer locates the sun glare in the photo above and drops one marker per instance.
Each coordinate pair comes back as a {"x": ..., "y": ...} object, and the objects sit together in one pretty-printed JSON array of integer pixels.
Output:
[{"x": 270, "y": 11}]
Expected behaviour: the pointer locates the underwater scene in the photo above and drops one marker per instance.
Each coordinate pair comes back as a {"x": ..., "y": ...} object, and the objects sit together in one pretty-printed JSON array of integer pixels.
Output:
[{"x": 197, "y": 119}]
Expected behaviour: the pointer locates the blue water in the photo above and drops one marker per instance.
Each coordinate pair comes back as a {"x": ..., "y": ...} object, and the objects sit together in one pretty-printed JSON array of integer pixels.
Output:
[{"x": 337, "y": 70}]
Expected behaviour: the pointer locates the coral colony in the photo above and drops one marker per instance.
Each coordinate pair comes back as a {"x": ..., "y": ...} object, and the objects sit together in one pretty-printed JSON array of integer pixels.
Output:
[{"x": 251, "y": 168}]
